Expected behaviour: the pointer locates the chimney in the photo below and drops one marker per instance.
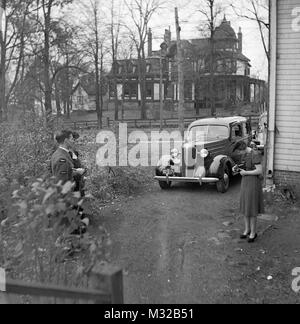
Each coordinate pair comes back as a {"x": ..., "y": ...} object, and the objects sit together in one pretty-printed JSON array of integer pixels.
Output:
[
  {"x": 168, "y": 36},
  {"x": 240, "y": 37},
  {"x": 150, "y": 39}
]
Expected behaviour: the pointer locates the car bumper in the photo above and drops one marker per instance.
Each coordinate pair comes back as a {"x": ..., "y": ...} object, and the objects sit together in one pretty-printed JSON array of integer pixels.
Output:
[{"x": 185, "y": 179}]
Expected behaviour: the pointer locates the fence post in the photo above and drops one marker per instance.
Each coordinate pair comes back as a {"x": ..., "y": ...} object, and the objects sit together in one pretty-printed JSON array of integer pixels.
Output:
[
  {"x": 108, "y": 278},
  {"x": 4, "y": 297}
]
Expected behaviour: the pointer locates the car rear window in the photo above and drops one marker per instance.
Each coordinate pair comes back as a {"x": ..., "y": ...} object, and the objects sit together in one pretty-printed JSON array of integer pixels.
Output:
[{"x": 208, "y": 132}]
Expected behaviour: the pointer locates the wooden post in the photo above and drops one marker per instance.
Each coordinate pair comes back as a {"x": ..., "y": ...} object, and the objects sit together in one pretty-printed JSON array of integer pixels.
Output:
[
  {"x": 2, "y": 287},
  {"x": 161, "y": 90},
  {"x": 108, "y": 278},
  {"x": 180, "y": 75}
]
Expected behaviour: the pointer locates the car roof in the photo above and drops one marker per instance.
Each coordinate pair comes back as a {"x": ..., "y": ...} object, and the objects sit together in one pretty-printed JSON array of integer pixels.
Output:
[{"x": 225, "y": 121}]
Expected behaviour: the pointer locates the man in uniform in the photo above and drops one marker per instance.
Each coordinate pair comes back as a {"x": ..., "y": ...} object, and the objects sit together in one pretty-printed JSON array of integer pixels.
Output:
[
  {"x": 61, "y": 163},
  {"x": 63, "y": 168}
]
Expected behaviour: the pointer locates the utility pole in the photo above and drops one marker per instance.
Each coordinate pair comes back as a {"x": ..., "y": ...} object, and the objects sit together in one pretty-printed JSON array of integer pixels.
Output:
[
  {"x": 212, "y": 59},
  {"x": 160, "y": 90},
  {"x": 3, "y": 110},
  {"x": 180, "y": 75},
  {"x": 163, "y": 49}
]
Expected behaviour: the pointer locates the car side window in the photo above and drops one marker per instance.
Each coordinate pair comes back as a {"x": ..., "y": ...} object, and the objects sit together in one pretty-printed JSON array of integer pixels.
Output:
[{"x": 236, "y": 131}]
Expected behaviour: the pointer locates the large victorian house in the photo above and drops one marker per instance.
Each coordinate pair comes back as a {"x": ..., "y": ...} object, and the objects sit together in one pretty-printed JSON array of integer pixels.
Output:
[{"x": 230, "y": 69}]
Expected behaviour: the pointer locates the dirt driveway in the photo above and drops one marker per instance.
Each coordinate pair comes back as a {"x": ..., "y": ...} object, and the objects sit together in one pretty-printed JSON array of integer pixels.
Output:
[{"x": 182, "y": 246}]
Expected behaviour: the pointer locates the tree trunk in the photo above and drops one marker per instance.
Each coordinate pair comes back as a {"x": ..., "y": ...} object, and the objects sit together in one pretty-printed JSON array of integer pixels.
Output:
[
  {"x": 101, "y": 87},
  {"x": 57, "y": 100},
  {"x": 180, "y": 76},
  {"x": 98, "y": 107},
  {"x": 3, "y": 107},
  {"x": 142, "y": 81},
  {"x": 116, "y": 99},
  {"x": 47, "y": 81}
]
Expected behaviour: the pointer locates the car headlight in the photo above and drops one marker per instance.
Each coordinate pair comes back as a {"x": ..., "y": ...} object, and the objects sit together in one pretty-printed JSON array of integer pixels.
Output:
[
  {"x": 174, "y": 153},
  {"x": 204, "y": 153}
]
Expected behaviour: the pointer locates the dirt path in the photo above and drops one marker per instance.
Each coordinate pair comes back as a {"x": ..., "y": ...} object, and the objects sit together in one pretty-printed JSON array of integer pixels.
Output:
[{"x": 182, "y": 246}]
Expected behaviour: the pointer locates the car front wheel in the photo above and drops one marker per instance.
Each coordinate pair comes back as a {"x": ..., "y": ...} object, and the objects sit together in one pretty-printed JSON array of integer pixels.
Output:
[
  {"x": 165, "y": 185},
  {"x": 223, "y": 184}
]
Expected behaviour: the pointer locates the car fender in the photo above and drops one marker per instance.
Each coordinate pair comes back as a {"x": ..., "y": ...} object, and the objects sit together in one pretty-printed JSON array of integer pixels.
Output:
[{"x": 218, "y": 164}]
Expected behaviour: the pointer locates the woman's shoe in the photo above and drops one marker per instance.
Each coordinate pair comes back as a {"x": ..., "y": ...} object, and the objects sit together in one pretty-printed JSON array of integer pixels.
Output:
[
  {"x": 252, "y": 240},
  {"x": 244, "y": 236}
]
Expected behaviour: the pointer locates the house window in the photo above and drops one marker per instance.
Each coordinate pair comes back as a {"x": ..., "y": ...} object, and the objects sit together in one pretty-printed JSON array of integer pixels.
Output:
[
  {"x": 170, "y": 91},
  {"x": 201, "y": 64},
  {"x": 111, "y": 91},
  {"x": 148, "y": 68},
  {"x": 80, "y": 100},
  {"x": 134, "y": 90},
  {"x": 188, "y": 90},
  {"x": 120, "y": 69},
  {"x": 149, "y": 91},
  {"x": 126, "y": 91},
  {"x": 134, "y": 69}
]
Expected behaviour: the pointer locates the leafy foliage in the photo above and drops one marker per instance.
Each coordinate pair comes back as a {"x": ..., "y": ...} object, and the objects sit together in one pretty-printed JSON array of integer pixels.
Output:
[{"x": 36, "y": 236}]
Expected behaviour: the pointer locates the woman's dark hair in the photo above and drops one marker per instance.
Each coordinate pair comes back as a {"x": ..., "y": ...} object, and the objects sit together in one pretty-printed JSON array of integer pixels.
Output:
[
  {"x": 75, "y": 135},
  {"x": 63, "y": 135},
  {"x": 241, "y": 146}
]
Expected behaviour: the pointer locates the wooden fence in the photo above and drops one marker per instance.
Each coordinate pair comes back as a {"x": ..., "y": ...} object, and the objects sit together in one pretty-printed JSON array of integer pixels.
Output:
[
  {"x": 139, "y": 123},
  {"x": 105, "y": 287}
]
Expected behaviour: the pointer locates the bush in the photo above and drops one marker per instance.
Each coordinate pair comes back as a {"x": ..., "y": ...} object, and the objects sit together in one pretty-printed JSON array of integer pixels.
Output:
[
  {"x": 24, "y": 150},
  {"x": 35, "y": 237}
]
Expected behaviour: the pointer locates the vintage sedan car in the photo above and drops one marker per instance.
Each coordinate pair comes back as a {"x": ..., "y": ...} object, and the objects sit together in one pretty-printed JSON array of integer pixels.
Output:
[{"x": 209, "y": 154}]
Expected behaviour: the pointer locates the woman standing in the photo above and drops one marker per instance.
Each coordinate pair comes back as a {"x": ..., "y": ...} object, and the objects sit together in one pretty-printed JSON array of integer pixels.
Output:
[{"x": 251, "y": 199}]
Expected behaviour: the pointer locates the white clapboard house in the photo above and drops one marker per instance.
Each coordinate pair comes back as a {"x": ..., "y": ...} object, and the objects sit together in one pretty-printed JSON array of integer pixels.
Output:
[{"x": 283, "y": 157}]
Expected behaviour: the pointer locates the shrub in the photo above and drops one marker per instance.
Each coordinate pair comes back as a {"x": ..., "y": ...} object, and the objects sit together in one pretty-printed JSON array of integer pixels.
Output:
[
  {"x": 24, "y": 150},
  {"x": 35, "y": 238}
]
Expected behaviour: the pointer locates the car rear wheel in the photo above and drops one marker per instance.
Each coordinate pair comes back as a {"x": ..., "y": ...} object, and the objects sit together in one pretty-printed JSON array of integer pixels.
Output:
[
  {"x": 223, "y": 185},
  {"x": 165, "y": 185}
]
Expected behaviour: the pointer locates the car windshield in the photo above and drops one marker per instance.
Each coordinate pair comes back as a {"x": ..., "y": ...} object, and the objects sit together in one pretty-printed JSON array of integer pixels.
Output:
[{"x": 208, "y": 133}]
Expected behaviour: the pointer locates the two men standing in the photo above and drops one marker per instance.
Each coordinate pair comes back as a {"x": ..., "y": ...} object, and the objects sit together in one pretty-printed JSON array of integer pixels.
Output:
[{"x": 66, "y": 166}]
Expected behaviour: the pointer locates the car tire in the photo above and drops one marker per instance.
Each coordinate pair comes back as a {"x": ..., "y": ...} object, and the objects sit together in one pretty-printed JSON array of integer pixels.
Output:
[
  {"x": 165, "y": 185},
  {"x": 223, "y": 185}
]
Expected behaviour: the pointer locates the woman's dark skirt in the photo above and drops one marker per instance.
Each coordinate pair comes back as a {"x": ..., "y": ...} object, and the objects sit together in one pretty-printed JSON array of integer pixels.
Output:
[{"x": 251, "y": 200}]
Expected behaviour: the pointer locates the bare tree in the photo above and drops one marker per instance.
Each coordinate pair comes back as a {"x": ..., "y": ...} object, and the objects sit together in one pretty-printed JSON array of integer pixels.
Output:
[
  {"x": 13, "y": 37},
  {"x": 257, "y": 11},
  {"x": 45, "y": 19},
  {"x": 94, "y": 41},
  {"x": 141, "y": 13},
  {"x": 211, "y": 10},
  {"x": 114, "y": 30},
  {"x": 93, "y": 38}
]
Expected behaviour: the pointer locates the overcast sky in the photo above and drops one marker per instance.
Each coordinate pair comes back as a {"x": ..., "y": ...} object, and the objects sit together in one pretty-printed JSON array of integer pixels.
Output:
[{"x": 190, "y": 20}]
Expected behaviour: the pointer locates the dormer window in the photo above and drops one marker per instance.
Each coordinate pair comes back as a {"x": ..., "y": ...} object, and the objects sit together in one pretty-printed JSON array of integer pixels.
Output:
[
  {"x": 120, "y": 69},
  {"x": 134, "y": 67},
  {"x": 148, "y": 68}
]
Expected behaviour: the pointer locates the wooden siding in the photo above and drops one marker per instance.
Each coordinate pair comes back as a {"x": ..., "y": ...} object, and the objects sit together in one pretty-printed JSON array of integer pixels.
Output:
[{"x": 287, "y": 142}]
